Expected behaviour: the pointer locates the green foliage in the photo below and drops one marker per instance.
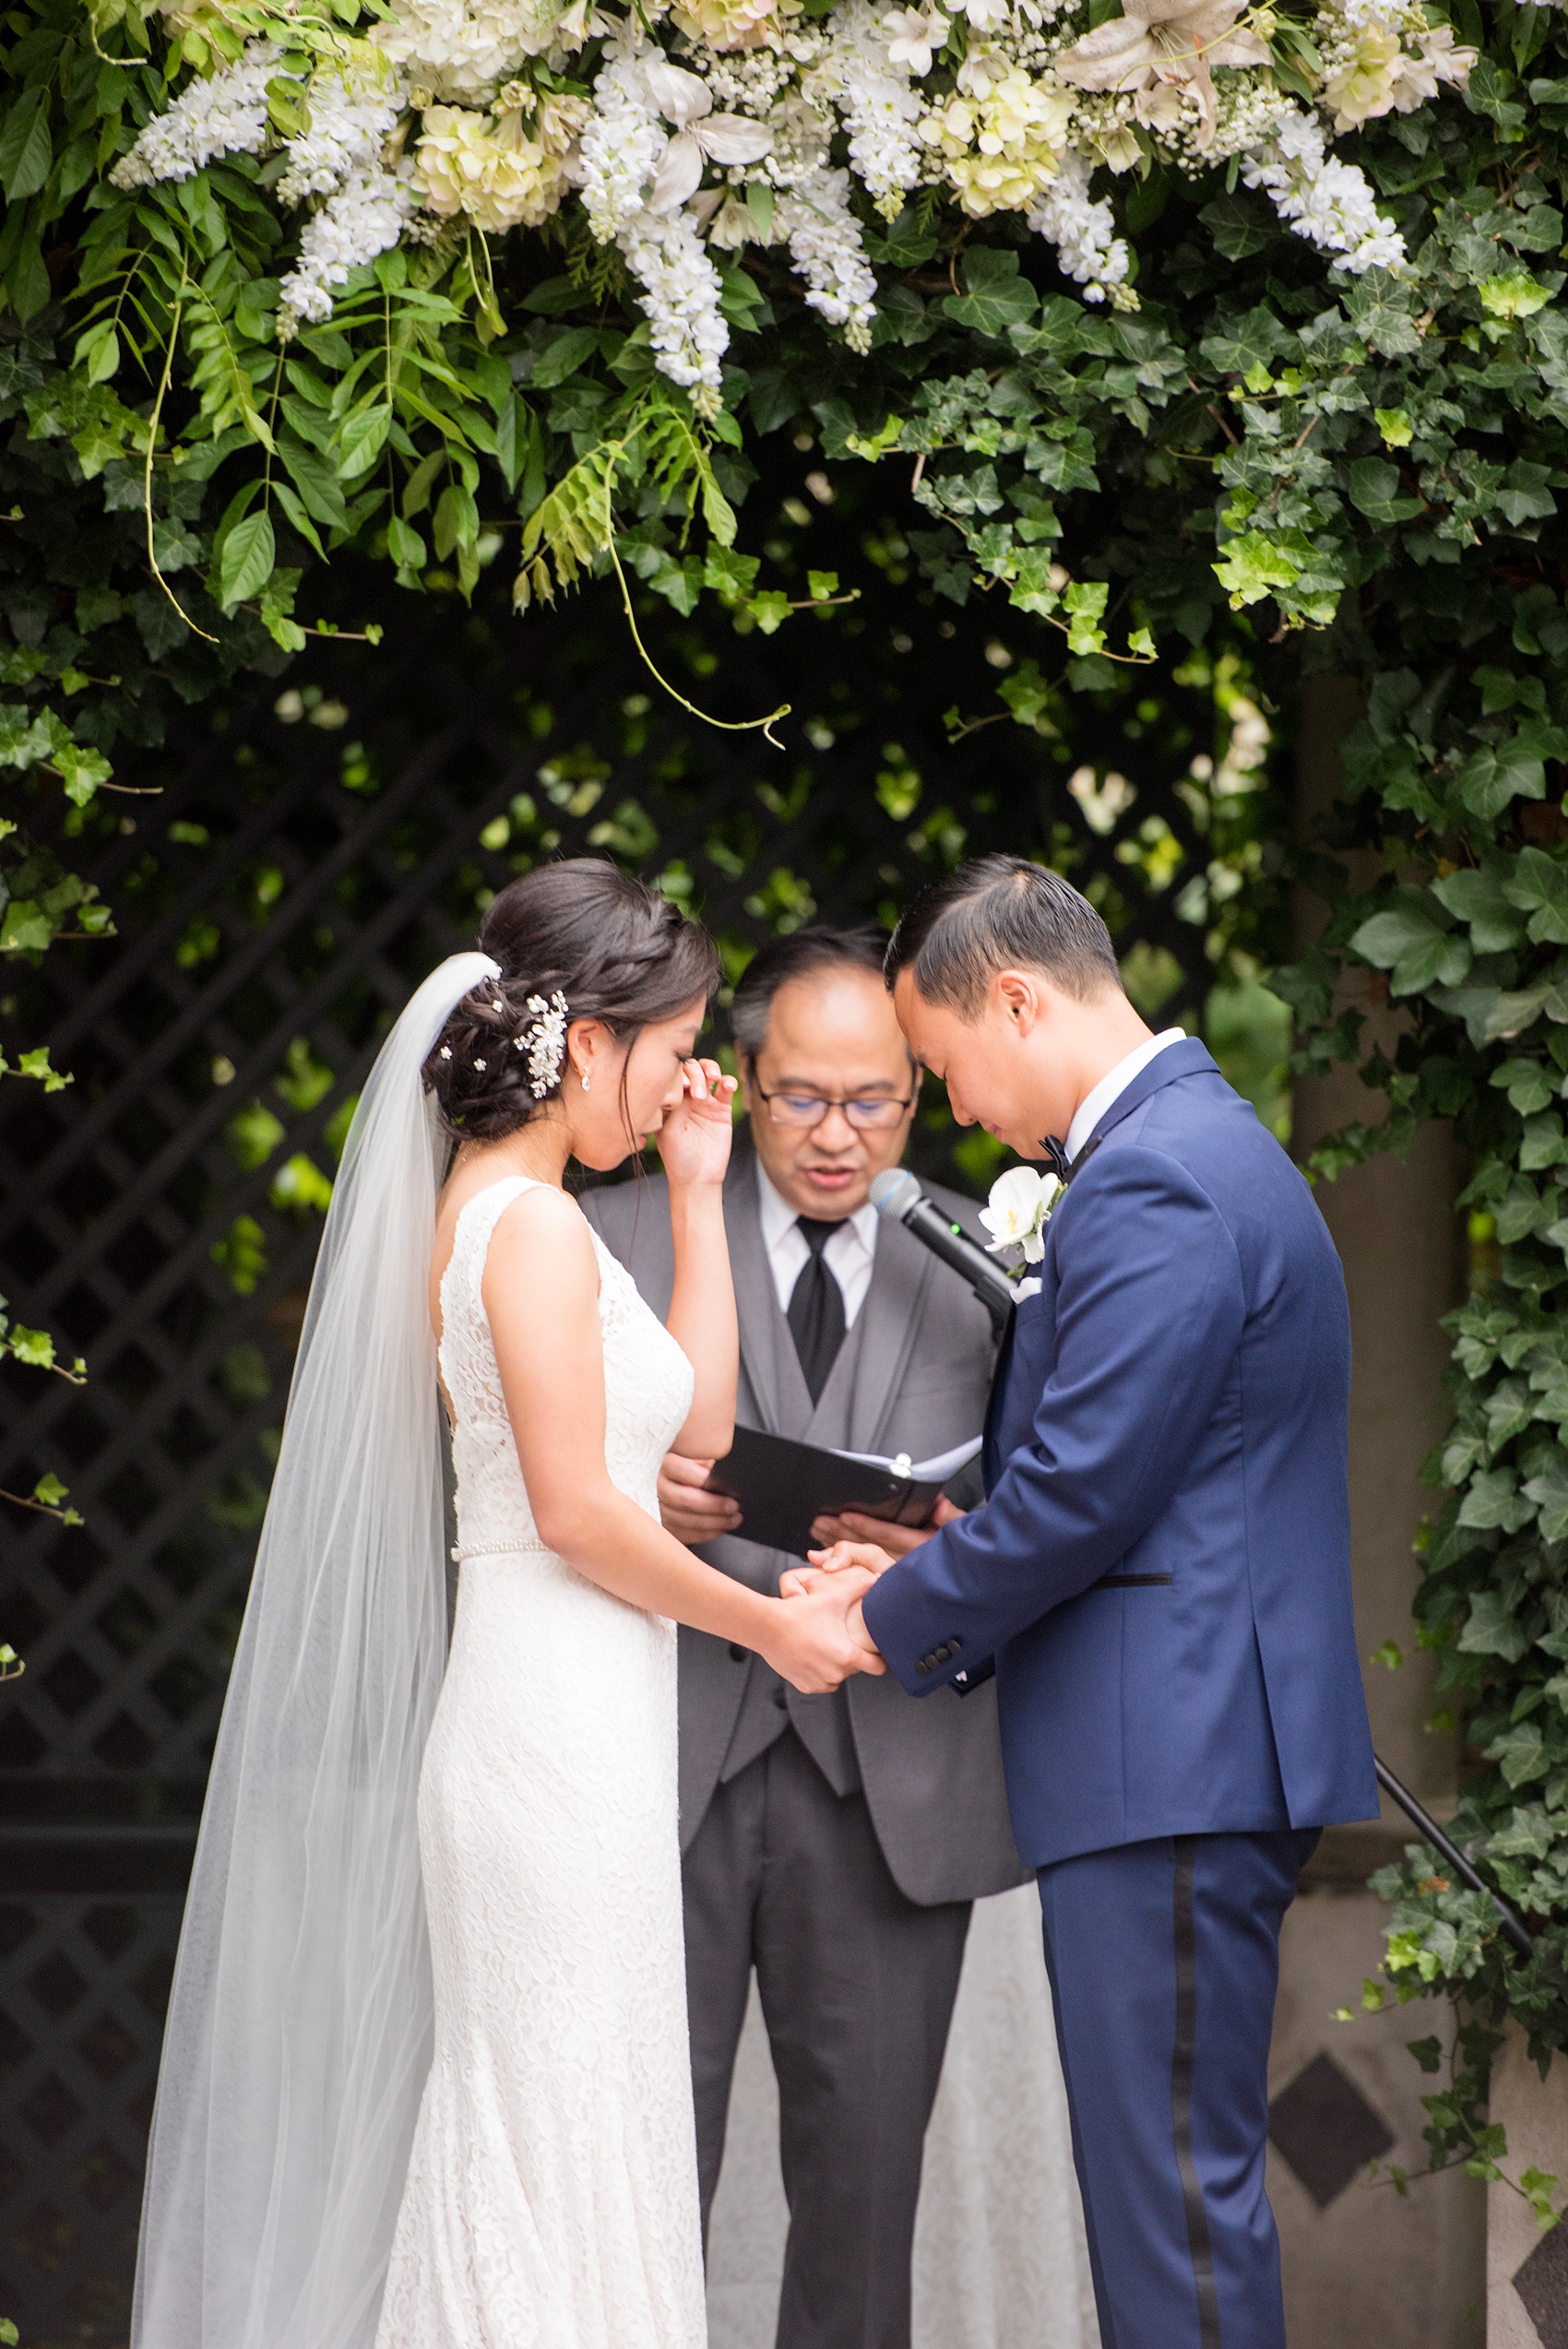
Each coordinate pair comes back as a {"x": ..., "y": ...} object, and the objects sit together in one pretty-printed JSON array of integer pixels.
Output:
[{"x": 1362, "y": 475}]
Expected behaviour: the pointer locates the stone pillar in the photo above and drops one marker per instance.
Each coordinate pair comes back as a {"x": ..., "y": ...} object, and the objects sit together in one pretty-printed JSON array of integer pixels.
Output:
[
  {"x": 1360, "y": 2263},
  {"x": 1526, "y": 2272}
]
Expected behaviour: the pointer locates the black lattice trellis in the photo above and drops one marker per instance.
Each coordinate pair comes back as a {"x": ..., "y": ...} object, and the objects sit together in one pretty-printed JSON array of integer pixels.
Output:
[{"x": 290, "y": 885}]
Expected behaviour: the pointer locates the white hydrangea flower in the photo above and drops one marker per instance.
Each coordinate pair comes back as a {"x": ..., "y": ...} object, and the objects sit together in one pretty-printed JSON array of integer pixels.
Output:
[
  {"x": 348, "y": 128},
  {"x": 824, "y": 244},
  {"x": 1001, "y": 138},
  {"x": 1087, "y": 247},
  {"x": 465, "y": 48},
  {"x": 679, "y": 289},
  {"x": 1323, "y": 199},
  {"x": 506, "y": 172},
  {"x": 222, "y": 113},
  {"x": 621, "y": 143}
]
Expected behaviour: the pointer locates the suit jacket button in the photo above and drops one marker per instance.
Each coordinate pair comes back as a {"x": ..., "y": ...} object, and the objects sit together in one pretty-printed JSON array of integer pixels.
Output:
[
  {"x": 954, "y": 1645},
  {"x": 737, "y": 1654},
  {"x": 923, "y": 1667}
]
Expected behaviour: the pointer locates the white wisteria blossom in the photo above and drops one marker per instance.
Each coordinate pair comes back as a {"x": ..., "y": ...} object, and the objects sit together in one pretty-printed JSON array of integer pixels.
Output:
[
  {"x": 221, "y": 114},
  {"x": 349, "y": 124},
  {"x": 825, "y": 246},
  {"x": 694, "y": 133},
  {"x": 680, "y": 290},
  {"x": 620, "y": 144},
  {"x": 366, "y": 216},
  {"x": 872, "y": 93},
  {"x": 1327, "y": 201},
  {"x": 1087, "y": 247}
]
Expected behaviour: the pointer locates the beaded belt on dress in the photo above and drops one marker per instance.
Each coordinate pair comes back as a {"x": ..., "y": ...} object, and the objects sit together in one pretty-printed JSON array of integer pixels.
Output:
[{"x": 500, "y": 1548}]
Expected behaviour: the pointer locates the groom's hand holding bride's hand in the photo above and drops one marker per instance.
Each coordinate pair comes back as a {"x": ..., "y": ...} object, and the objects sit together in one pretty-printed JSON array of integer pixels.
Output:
[
  {"x": 843, "y": 1572},
  {"x": 819, "y": 1638}
]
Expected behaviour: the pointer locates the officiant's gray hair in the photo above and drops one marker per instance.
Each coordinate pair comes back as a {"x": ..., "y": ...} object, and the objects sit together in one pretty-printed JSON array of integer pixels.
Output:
[{"x": 1001, "y": 913}]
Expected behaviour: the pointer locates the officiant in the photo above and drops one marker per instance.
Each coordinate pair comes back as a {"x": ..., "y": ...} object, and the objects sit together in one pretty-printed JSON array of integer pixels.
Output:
[{"x": 834, "y": 1844}]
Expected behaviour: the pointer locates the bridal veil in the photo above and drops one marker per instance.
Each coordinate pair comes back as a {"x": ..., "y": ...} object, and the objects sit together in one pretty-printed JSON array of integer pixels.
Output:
[{"x": 299, "y": 2025}]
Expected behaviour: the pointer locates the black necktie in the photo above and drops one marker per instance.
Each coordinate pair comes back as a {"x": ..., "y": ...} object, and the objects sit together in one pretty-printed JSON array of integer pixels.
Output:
[{"x": 816, "y": 1307}]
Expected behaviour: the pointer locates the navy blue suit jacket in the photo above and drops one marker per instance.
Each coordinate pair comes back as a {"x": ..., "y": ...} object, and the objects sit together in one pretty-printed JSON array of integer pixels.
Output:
[{"x": 1172, "y": 1414}]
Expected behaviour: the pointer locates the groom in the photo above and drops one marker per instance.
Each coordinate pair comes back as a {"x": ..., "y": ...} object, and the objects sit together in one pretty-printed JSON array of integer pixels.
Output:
[{"x": 1159, "y": 1578}]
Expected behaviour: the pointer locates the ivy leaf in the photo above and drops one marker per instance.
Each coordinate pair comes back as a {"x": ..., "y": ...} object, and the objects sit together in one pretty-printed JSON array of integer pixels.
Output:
[
  {"x": 1494, "y": 1500},
  {"x": 1549, "y": 1489},
  {"x": 1539, "y": 886},
  {"x": 1239, "y": 225},
  {"x": 904, "y": 246},
  {"x": 1543, "y": 1144},
  {"x": 1477, "y": 898},
  {"x": 1492, "y": 1629},
  {"x": 995, "y": 297},
  {"x": 1490, "y": 777},
  {"x": 1521, "y": 1749},
  {"x": 1244, "y": 343},
  {"x": 1406, "y": 941},
  {"x": 1527, "y": 1084},
  {"x": 1375, "y": 491},
  {"x": 248, "y": 555},
  {"x": 1254, "y": 564}
]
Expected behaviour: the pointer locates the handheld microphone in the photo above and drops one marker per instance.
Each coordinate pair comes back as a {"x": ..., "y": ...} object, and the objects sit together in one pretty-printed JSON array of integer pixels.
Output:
[{"x": 897, "y": 1194}]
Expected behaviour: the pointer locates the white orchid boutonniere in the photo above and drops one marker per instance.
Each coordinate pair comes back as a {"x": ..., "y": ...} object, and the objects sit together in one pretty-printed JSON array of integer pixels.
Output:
[{"x": 1020, "y": 1207}]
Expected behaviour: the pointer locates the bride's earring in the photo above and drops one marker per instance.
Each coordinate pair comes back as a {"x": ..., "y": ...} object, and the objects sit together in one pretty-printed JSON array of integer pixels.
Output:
[{"x": 585, "y": 1081}]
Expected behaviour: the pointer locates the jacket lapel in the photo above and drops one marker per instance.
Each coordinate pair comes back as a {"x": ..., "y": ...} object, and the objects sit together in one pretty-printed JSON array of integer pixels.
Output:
[
  {"x": 901, "y": 1274},
  {"x": 756, "y": 1300}
]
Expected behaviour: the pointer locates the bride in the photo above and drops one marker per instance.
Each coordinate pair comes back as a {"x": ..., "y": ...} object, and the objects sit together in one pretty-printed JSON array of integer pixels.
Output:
[{"x": 424, "y": 2083}]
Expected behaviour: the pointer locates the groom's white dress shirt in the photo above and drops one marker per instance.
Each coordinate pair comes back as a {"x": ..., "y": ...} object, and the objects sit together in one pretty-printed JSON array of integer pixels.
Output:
[
  {"x": 850, "y": 1252},
  {"x": 1112, "y": 1086}
]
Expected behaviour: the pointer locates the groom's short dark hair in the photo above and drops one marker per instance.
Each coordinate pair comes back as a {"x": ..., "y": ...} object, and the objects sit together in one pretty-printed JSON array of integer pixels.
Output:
[{"x": 1001, "y": 913}]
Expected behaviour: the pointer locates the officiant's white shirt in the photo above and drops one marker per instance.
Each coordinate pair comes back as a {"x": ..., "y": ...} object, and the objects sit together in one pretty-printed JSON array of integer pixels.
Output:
[
  {"x": 1111, "y": 1086},
  {"x": 850, "y": 1253}
]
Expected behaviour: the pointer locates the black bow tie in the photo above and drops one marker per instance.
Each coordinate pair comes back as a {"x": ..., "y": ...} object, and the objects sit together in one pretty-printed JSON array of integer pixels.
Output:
[{"x": 1057, "y": 1161}]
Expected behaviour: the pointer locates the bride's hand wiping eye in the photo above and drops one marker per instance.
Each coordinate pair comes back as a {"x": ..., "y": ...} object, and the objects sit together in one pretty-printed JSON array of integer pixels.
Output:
[{"x": 694, "y": 1141}]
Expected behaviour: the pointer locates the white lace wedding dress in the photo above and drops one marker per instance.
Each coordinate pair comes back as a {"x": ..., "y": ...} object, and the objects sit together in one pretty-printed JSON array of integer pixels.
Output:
[{"x": 552, "y": 2195}]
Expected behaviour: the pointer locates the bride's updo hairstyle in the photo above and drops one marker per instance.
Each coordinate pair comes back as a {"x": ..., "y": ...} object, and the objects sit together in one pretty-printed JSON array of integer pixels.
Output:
[{"x": 581, "y": 929}]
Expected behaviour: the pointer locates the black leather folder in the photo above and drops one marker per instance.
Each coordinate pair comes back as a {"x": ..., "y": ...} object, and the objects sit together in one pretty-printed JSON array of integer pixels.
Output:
[{"x": 783, "y": 1485}]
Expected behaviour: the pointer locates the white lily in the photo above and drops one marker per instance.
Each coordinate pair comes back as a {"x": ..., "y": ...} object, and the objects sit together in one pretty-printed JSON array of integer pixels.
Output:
[
  {"x": 1173, "y": 42},
  {"x": 987, "y": 16},
  {"x": 1018, "y": 1210},
  {"x": 917, "y": 35},
  {"x": 700, "y": 135}
]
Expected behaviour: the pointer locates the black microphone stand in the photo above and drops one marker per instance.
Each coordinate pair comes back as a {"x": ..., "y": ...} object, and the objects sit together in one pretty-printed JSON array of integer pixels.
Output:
[{"x": 1513, "y": 1924}]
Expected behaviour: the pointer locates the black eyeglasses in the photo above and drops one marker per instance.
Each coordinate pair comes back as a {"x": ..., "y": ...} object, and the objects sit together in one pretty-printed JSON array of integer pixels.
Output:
[{"x": 803, "y": 1110}]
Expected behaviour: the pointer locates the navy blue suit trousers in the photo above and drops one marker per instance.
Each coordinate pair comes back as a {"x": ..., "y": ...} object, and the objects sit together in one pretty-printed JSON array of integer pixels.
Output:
[{"x": 1163, "y": 1959}]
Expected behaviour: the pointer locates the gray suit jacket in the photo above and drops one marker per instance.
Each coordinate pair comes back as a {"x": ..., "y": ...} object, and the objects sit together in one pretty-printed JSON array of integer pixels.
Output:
[{"x": 913, "y": 1376}]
